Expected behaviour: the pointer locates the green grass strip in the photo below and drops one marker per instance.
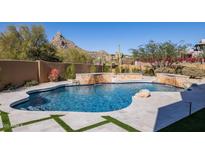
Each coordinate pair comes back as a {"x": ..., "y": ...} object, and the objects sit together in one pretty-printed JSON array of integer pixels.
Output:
[
  {"x": 31, "y": 122},
  {"x": 6, "y": 122},
  {"x": 92, "y": 126},
  {"x": 62, "y": 123},
  {"x": 120, "y": 124},
  {"x": 8, "y": 127}
]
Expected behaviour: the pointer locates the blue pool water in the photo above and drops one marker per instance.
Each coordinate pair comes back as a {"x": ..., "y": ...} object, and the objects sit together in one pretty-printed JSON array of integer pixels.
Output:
[{"x": 90, "y": 98}]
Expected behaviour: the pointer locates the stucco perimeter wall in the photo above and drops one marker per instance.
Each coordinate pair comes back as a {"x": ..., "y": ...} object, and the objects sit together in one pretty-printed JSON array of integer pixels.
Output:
[
  {"x": 17, "y": 72},
  {"x": 45, "y": 68},
  {"x": 93, "y": 78},
  {"x": 174, "y": 80}
]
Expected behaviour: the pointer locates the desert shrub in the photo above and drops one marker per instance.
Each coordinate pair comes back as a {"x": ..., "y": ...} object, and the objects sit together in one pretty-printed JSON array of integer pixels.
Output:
[
  {"x": 149, "y": 72},
  {"x": 10, "y": 86},
  {"x": 193, "y": 72},
  {"x": 117, "y": 70},
  {"x": 125, "y": 70},
  {"x": 163, "y": 54},
  {"x": 165, "y": 70},
  {"x": 54, "y": 75},
  {"x": 70, "y": 72},
  {"x": 73, "y": 55},
  {"x": 93, "y": 69},
  {"x": 31, "y": 83},
  {"x": 106, "y": 68},
  {"x": 135, "y": 70},
  {"x": 178, "y": 69}
]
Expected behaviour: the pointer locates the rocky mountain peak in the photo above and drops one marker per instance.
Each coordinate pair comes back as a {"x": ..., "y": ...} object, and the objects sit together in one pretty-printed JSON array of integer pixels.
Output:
[{"x": 61, "y": 42}]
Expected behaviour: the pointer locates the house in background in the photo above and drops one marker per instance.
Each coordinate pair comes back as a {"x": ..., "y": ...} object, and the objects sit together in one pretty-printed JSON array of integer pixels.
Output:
[
  {"x": 198, "y": 48},
  {"x": 195, "y": 51}
]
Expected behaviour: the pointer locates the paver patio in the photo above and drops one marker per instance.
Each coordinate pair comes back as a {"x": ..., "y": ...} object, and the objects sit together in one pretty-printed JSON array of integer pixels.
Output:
[{"x": 144, "y": 114}]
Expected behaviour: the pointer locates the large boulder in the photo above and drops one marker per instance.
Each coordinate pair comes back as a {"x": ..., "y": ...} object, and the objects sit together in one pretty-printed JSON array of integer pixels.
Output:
[{"x": 144, "y": 93}]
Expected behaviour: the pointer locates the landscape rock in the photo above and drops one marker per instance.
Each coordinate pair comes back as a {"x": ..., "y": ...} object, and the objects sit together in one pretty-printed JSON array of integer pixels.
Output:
[{"x": 144, "y": 93}]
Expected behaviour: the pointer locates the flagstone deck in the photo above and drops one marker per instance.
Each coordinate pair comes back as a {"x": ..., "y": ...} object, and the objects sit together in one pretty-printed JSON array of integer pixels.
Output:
[{"x": 144, "y": 114}]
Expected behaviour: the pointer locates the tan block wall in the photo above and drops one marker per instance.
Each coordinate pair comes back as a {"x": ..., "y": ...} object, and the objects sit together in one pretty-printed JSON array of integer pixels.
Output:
[
  {"x": 93, "y": 78},
  {"x": 129, "y": 76},
  {"x": 107, "y": 77},
  {"x": 174, "y": 80},
  {"x": 86, "y": 78}
]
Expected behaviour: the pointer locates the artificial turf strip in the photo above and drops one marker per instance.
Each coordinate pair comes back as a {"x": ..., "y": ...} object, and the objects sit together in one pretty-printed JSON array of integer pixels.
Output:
[
  {"x": 192, "y": 123},
  {"x": 120, "y": 124},
  {"x": 31, "y": 122},
  {"x": 8, "y": 128},
  {"x": 62, "y": 123},
  {"x": 92, "y": 126},
  {"x": 6, "y": 122}
]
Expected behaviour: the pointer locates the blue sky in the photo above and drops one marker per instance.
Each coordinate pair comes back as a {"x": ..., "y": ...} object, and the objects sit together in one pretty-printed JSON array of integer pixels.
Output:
[{"x": 107, "y": 36}]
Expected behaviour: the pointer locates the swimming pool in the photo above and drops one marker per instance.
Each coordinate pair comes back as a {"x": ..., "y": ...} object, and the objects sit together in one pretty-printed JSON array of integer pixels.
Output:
[{"x": 88, "y": 98}]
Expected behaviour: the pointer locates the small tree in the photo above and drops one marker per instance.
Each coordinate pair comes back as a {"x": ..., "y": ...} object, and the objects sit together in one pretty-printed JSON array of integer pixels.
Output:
[
  {"x": 73, "y": 55},
  {"x": 25, "y": 42},
  {"x": 158, "y": 54},
  {"x": 93, "y": 69},
  {"x": 70, "y": 72}
]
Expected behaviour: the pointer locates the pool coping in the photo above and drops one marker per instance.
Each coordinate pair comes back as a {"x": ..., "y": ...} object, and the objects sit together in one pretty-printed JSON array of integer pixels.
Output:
[
  {"x": 28, "y": 92},
  {"x": 51, "y": 86}
]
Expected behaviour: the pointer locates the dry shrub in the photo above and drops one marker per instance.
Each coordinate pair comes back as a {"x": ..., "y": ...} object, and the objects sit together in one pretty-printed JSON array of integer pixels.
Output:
[{"x": 193, "y": 72}]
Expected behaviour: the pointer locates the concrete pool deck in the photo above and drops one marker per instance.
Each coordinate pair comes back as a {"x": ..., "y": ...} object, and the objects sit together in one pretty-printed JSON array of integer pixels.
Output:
[{"x": 144, "y": 114}]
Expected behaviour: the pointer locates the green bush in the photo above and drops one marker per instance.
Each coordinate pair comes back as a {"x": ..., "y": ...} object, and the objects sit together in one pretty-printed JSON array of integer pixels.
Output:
[
  {"x": 31, "y": 83},
  {"x": 193, "y": 72},
  {"x": 93, "y": 69},
  {"x": 74, "y": 55},
  {"x": 117, "y": 70},
  {"x": 165, "y": 70},
  {"x": 106, "y": 68},
  {"x": 10, "y": 86},
  {"x": 70, "y": 72}
]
